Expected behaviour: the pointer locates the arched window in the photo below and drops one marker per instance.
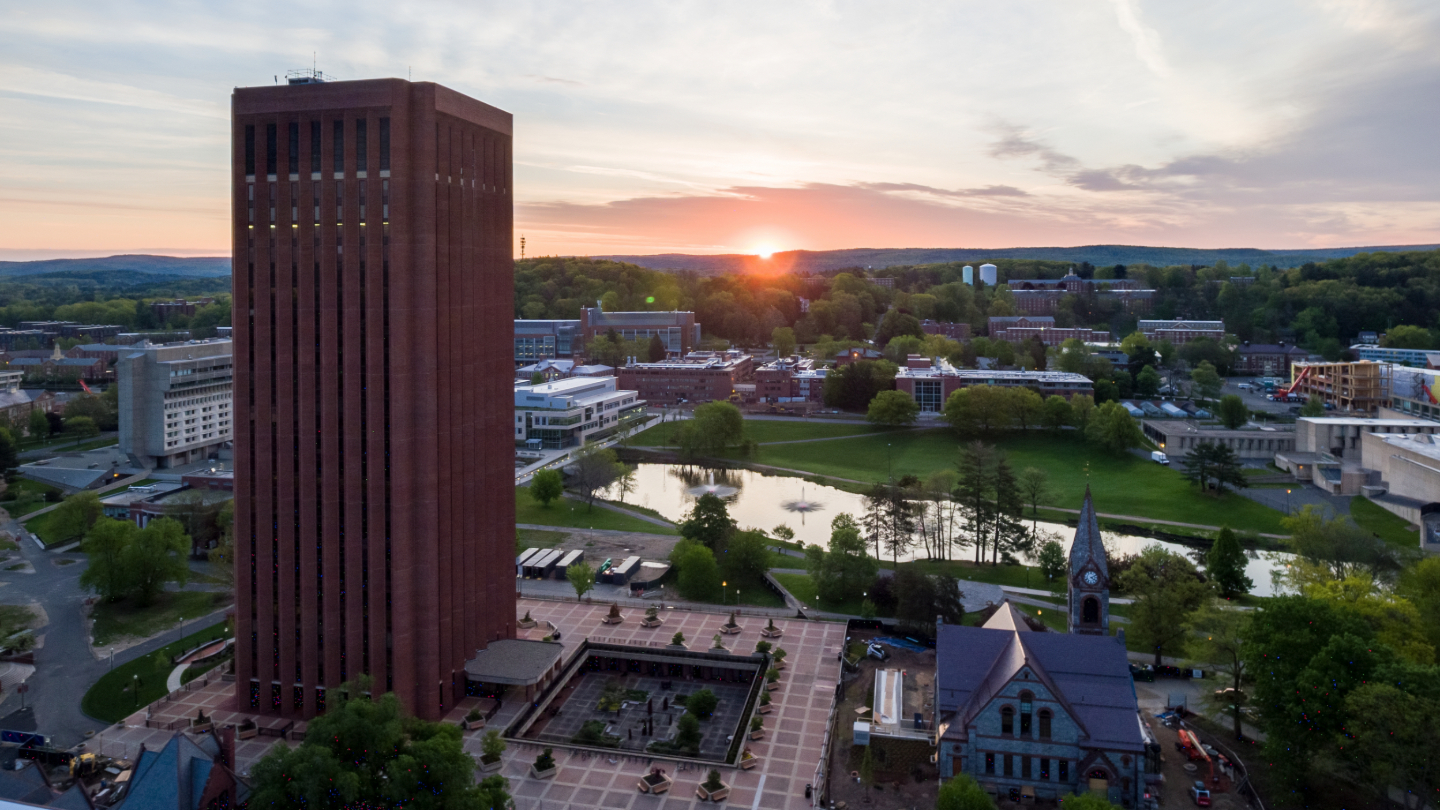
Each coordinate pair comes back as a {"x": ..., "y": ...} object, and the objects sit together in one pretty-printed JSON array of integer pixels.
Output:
[
  {"x": 1026, "y": 707},
  {"x": 1090, "y": 611},
  {"x": 1007, "y": 720},
  {"x": 1045, "y": 718}
]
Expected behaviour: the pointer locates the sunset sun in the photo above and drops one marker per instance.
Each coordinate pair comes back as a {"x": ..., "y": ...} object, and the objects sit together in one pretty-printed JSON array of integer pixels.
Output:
[{"x": 764, "y": 251}]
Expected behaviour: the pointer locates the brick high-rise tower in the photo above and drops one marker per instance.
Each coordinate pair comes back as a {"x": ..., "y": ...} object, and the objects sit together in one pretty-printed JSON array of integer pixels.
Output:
[{"x": 373, "y": 273}]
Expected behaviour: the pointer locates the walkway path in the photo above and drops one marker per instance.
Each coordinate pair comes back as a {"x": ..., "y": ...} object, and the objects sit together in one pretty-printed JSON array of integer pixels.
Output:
[{"x": 613, "y": 507}]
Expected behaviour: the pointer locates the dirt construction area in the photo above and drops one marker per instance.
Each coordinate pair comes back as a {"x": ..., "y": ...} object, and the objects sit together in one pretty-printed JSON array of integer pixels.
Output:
[
  {"x": 1178, "y": 779},
  {"x": 904, "y": 776}
]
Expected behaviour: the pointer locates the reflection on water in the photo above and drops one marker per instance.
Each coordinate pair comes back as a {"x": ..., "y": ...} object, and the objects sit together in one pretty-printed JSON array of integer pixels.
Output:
[{"x": 762, "y": 501}]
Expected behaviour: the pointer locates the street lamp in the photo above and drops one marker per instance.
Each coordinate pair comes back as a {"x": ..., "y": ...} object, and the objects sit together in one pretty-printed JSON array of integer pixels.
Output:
[
  {"x": 723, "y": 585},
  {"x": 1287, "y": 501}
]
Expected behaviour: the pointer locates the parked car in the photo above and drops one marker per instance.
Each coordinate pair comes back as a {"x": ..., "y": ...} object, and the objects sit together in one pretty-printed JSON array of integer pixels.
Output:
[{"x": 1199, "y": 794}]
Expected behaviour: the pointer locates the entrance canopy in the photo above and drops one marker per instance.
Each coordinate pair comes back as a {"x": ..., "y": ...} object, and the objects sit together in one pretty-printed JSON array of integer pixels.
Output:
[{"x": 513, "y": 662}]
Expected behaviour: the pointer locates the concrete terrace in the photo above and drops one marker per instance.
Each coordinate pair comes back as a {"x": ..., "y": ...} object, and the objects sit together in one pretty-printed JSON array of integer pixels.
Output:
[{"x": 789, "y": 755}]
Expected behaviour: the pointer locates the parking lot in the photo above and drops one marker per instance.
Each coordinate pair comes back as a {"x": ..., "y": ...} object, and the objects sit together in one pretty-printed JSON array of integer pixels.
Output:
[{"x": 1254, "y": 398}]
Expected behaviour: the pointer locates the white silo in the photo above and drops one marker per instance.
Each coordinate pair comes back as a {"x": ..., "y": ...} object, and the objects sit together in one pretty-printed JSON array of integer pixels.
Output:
[
  {"x": 988, "y": 274},
  {"x": 969, "y": 276}
]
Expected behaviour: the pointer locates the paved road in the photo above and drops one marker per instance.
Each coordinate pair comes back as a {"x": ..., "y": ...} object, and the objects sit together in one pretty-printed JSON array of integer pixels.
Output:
[
  {"x": 66, "y": 447},
  {"x": 64, "y": 665}
]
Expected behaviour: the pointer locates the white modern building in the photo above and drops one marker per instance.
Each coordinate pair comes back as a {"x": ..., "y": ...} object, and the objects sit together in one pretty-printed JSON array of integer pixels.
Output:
[
  {"x": 1415, "y": 358},
  {"x": 572, "y": 411},
  {"x": 175, "y": 401}
]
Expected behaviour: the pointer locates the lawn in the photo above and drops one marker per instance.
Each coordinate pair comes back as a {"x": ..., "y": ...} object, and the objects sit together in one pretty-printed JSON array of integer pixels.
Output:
[
  {"x": 762, "y": 431},
  {"x": 40, "y": 526},
  {"x": 536, "y": 538},
  {"x": 803, "y": 587},
  {"x": 567, "y": 513},
  {"x": 1375, "y": 519},
  {"x": 111, "y": 699},
  {"x": 116, "y": 620},
  {"x": 25, "y": 496},
  {"x": 1125, "y": 484},
  {"x": 1016, "y": 576}
]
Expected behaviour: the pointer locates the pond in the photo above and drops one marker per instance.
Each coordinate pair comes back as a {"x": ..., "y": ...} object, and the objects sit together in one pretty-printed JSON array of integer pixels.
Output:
[{"x": 761, "y": 501}]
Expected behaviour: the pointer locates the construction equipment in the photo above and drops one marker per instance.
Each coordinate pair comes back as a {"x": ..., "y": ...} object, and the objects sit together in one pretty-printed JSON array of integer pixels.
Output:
[{"x": 1286, "y": 391}]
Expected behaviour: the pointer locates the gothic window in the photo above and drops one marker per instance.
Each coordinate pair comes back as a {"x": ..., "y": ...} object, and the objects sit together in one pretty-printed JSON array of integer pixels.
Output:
[
  {"x": 1026, "y": 704},
  {"x": 1045, "y": 717},
  {"x": 1090, "y": 611},
  {"x": 990, "y": 762},
  {"x": 1007, "y": 720}
]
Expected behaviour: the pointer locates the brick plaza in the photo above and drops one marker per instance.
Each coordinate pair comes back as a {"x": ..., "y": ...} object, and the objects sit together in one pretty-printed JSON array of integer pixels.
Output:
[{"x": 788, "y": 756}]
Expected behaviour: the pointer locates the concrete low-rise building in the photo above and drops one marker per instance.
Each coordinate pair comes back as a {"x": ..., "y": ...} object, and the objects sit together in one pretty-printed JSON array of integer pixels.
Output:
[
  {"x": 1177, "y": 438},
  {"x": 570, "y": 412},
  {"x": 1403, "y": 476},
  {"x": 175, "y": 401}
]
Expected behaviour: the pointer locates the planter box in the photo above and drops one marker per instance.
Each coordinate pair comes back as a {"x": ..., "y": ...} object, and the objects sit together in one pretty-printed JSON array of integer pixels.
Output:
[
  {"x": 718, "y": 796},
  {"x": 773, "y": 686},
  {"x": 650, "y": 783},
  {"x": 471, "y": 725},
  {"x": 652, "y": 623},
  {"x": 202, "y": 728},
  {"x": 749, "y": 762},
  {"x": 729, "y": 630},
  {"x": 768, "y": 633},
  {"x": 524, "y": 625},
  {"x": 547, "y": 774},
  {"x": 493, "y": 767},
  {"x": 608, "y": 619},
  {"x": 757, "y": 735},
  {"x": 764, "y": 708},
  {"x": 676, "y": 647},
  {"x": 778, "y": 665},
  {"x": 247, "y": 733}
]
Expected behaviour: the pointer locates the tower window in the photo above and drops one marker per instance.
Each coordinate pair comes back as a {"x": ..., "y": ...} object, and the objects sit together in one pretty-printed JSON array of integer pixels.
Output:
[
  {"x": 1090, "y": 610},
  {"x": 1026, "y": 702}
]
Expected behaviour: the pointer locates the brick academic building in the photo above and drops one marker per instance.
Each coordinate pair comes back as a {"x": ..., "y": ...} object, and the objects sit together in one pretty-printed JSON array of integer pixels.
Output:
[
  {"x": 699, "y": 377},
  {"x": 374, "y": 522}
]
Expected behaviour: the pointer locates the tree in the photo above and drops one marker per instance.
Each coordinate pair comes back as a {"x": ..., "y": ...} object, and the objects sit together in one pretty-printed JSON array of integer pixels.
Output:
[
  {"x": 747, "y": 555},
  {"x": 978, "y": 409},
  {"x": 1051, "y": 560},
  {"x": 1089, "y": 801},
  {"x": 1419, "y": 584},
  {"x": 702, "y": 703},
  {"x": 852, "y": 386},
  {"x": 714, "y": 427},
  {"x": 1008, "y": 515},
  {"x": 1313, "y": 407},
  {"x": 1225, "y": 565},
  {"x": 546, "y": 486},
  {"x": 582, "y": 578},
  {"x": 1147, "y": 382},
  {"x": 655, "y": 352},
  {"x": 1056, "y": 413},
  {"x": 101, "y": 409},
  {"x": 1025, "y": 405},
  {"x": 1207, "y": 379},
  {"x": 1217, "y": 640},
  {"x": 1391, "y": 737},
  {"x": 106, "y": 543},
  {"x": 894, "y": 527},
  {"x": 1336, "y": 548},
  {"x": 1166, "y": 589},
  {"x": 687, "y": 733},
  {"x": 370, "y": 753},
  {"x": 625, "y": 482},
  {"x": 1082, "y": 406},
  {"x": 1408, "y": 337},
  {"x": 155, "y": 556},
  {"x": 39, "y": 425},
  {"x": 537, "y": 378},
  {"x": 893, "y": 408},
  {"x": 75, "y": 515},
  {"x": 222, "y": 556},
  {"x": 915, "y": 601},
  {"x": 973, "y": 491},
  {"x": 1034, "y": 486},
  {"x": 896, "y": 323},
  {"x": 1232, "y": 411},
  {"x": 783, "y": 339},
  {"x": 867, "y": 771},
  {"x": 9, "y": 451},
  {"x": 1112, "y": 428},
  {"x": 1210, "y": 462},
  {"x": 948, "y": 604},
  {"x": 783, "y": 532},
  {"x": 842, "y": 573},
  {"x": 964, "y": 793},
  {"x": 699, "y": 577},
  {"x": 595, "y": 469},
  {"x": 709, "y": 522}
]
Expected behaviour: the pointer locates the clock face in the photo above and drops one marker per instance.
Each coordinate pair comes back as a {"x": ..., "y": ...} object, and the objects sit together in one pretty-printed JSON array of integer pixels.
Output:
[{"x": 1091, "y": 578}]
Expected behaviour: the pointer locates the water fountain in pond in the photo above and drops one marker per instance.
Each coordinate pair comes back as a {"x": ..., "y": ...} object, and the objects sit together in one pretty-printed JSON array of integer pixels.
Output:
[
  {"x": 802, "y": 506},
  {"x": 712, "y": 488}
]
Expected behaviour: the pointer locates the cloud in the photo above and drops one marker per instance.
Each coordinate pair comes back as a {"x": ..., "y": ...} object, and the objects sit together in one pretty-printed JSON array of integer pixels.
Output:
[
  {"x": 1148, "y": 48},
  {"x": 553, "y": 80},
  {"x": 985, "y": 191}
]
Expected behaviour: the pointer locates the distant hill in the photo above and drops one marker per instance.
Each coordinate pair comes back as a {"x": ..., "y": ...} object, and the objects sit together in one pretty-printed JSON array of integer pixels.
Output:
[
  {"x": 816, "y": 261},
  {"x": 201, "y": 267}
]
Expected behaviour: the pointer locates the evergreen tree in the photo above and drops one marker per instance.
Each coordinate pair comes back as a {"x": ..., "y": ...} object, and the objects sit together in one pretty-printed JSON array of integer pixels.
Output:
[
  {"x": 1225, "y": 565},
  {"x": 656, "y": 350},
  {"x": 1008, "y": 514},
  {"x": 709, "y": 522},
  {"x": 973, "y": 491}
]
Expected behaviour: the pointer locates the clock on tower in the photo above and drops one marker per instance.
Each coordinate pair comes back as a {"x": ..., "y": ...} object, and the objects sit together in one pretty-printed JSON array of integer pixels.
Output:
[{"x": 1089, "y": 582}]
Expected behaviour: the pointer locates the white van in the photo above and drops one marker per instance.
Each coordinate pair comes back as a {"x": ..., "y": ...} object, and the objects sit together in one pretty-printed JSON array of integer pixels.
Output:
[{"x": 1159, "y": 457}]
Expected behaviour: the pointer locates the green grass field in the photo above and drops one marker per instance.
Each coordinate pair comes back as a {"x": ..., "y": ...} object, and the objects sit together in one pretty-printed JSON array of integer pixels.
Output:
[
  {"x": 1126, "y": 485},
  {"x": 567, "y": 513},
  {"x": 1016, "y": 576},
  {"x": 114, "y": 696},
  {"x": 536, "y": 538},
  {"x": 763, "y": 431},
  {"x": 1391, "y": 528},
  {"x": 115, "y": 620},
  {"x": 803, "y": 588},
  {"x": 41, "y": 528}
]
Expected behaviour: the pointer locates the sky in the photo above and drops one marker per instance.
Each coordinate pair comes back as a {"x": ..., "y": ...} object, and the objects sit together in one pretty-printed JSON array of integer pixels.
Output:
[{"x": 745, "y": 127}]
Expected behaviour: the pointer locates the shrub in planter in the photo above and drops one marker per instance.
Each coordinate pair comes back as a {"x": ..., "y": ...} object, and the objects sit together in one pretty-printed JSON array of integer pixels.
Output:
[
  {"x": 652, "y": 617},
  {"x": 771, "y": 631},
  {"x": 779, "y": 656},
  {"x": 654, "y": 782},
  {"x": 757, "y": 728},
  {"x": 527, "y": 622},
  {"x": 764, "y": 702},
  {"x": 762, "y": 646},
  {"x": 772, "y": 677},
  {"x": 544, "y": 767},
  {"x": 715, "y": 643},
  {"x": 748, "y": 760},
  {"x": 492, "y": 745},
  {"x": 678, "y": 640},
  {"x": 730, "y": 627},
  {"x": 712, "y": 788},
  {"x": 613, "y": 617}
]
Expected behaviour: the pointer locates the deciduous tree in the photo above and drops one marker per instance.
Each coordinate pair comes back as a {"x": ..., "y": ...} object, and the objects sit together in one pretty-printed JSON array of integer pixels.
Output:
[
  {"x": 1056, "y": 413},
  {"x": 156, "y": 556},
  {"x": 546, "y": 486},
  {"x": 1207, "y": 379},
  {"x": 75, "y": 515},
  {"x": 595, "y": 469},
  {"x": 1166, "y": 589},
  {"x": 1112, "y": 428},
  {"x": 1232, "y": 411},
  {"x": 1051, "y": 560},
  {"x": 783, "y": 339},
  {"x": 1217, "y": 641},
  {"x": 893, "y": 408},
  {"x": 106, "y": 542},
  {"x": 582, "y": 578},
  {"x": 709, "y": 522},
  {"x": 715, "y": 426}
]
